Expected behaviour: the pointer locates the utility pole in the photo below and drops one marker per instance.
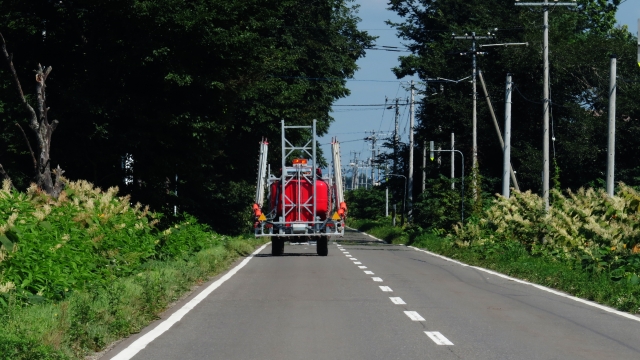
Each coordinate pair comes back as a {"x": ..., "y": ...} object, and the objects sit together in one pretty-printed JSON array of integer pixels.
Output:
[
  {"x": 495, "y": 124},
  {"x": 424, "y": 165},
  {"x": 545, "y": 91},
  {"x": 506, "y": 161},
  {"x": 611, "y": 151},
  {"x": 374, "y": 151},
  {"x": 473, "y": 54},
  {"x": 378, "y": 167},
  {"x": 410, "y": 180},
  {"x": 386, "y": 208},
  {"x": 396, "y": 140},
  {"x": 453, "y": 162},
  {"x": 354, "y": 168}
]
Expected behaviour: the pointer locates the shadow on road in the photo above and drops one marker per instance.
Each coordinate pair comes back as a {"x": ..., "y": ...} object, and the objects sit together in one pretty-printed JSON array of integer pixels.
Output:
[{"x": 286, "y": 254}]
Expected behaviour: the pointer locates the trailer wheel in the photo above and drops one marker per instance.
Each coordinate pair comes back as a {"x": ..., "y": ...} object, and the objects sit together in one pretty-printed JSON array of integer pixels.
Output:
[
  {"x": 277, "y": 247},
  {"x": 322, "y": 246}
]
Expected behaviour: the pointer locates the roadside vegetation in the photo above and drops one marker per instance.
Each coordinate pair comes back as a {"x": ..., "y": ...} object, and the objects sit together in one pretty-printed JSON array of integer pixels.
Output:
[
  {"x": 83, "y": 270},
  {"x": 587, "y": 245}
]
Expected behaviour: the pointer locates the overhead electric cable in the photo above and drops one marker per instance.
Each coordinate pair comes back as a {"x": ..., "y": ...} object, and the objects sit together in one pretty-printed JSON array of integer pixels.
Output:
[{"x": 333, "y": 79}]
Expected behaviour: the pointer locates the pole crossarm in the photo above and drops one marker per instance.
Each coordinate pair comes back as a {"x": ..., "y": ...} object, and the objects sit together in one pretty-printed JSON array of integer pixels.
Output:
[
  {"x": 473, "y": 37},
  {"x": 505, "y": 44}
]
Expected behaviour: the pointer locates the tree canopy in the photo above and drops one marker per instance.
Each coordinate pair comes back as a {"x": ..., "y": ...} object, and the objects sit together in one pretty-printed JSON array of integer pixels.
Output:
[
  {"x": 581, "y": 42},
  {"x": 183, "y": 89}
]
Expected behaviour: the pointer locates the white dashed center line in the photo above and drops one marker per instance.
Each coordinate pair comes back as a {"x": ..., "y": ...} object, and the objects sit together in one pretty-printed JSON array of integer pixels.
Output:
[
  {"x": 397, "y": 301},
  {"x": 386, "y": 289},
  {"x": 438, "y": 338},
  {"x": 376, "y": 279},
  {"x": 346, "y": 253},
  {"x": 349, "y": 255},
  {"x": 362, "y": 267},
  {"x": 413, "y": 315},
  {"x": 368, "y": 272},
  {"x": 357, "y": 262}
]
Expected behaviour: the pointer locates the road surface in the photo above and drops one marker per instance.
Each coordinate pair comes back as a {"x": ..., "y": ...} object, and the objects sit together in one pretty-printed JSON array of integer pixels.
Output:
[{"x": 369, "y": 300}]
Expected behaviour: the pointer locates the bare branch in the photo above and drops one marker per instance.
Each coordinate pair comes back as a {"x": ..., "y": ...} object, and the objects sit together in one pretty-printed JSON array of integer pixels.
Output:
[
  {"x": 34, "y": 118},
  {"x": 33, "y": 156},
  {"x": 46, "y": 72},
  {"x": 41, "y": 94}
]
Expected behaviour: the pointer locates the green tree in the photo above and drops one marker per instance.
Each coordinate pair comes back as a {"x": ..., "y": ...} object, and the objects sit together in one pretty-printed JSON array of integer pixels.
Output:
[
  {"x": 580, "y": 44},
  {"x": 185, "y": 89}
]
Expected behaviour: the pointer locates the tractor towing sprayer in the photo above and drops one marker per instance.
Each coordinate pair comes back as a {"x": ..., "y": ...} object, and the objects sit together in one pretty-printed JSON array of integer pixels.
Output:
[{"x": 302, "y": 203}]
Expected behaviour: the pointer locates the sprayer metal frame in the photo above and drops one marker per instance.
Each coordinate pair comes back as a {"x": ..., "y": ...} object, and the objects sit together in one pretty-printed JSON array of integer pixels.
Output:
[{"x": 290, "y": 173}]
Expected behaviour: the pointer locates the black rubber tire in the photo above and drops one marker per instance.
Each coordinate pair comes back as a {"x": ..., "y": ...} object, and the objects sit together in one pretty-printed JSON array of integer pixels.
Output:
[
  {"x": 322, "y": 246},
  {"x": 277, "y": 247}
]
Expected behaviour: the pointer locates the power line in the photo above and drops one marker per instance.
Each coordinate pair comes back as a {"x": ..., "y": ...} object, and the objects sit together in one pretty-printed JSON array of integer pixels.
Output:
[
  {"x": 385, "y": 104},
  {"x": 333, "y": 79}
]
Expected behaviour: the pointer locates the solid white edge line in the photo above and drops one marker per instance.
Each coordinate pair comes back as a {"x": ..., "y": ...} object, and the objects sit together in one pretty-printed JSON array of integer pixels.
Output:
[
  {"x": 147, "y": 338},
  {"x": 543, "y": 288},
  {"x": 438, "y": 338}
]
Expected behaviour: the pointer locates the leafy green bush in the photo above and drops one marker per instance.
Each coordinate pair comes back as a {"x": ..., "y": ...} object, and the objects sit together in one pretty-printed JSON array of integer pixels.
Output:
[
  {"x": 588, "y": 227},
  {"x": 366, "y": 203},
  {"x": 83, "y": 239},
  {"x": 438, "y": 207}
]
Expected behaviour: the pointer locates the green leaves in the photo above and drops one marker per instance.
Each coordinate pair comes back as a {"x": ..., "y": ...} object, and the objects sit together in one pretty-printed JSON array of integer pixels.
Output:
[
  {"x": 580, "y": 41},
  {"x": 85, "y": 239},
  {"x": 4, "y": 240},
  {"x": 183, "y": 88}
]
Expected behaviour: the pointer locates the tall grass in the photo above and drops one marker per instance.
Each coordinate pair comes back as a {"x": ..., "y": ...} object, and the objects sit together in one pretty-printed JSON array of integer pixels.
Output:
[{"x": 88, "y": 268}]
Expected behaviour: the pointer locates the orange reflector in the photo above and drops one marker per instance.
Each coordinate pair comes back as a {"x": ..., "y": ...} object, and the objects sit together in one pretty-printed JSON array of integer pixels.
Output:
[
  {"x": 336, "y": 216},
  {"x": 262, "y": 218},
  {"x": 299, "y": 161}
]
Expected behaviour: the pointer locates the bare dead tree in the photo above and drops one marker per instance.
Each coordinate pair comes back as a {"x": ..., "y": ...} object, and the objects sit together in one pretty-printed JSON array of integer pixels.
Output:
[{"x": 43, "y": 129}]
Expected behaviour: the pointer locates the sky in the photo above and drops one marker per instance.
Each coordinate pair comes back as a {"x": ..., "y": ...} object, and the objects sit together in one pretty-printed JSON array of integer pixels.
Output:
[{"x": 374, "y": 82}]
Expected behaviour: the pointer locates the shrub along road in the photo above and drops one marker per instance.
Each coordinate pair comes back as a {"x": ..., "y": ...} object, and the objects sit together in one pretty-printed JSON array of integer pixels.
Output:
[{"x": 377, "y": 301}]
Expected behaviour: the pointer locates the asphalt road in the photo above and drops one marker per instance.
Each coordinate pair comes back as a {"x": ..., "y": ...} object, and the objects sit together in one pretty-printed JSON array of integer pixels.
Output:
[{"x": 302, "y": 306}]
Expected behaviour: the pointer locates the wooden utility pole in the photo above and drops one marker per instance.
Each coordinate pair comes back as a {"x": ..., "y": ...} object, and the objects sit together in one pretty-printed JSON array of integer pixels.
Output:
[
  {"x": 506, "y": 161},
  {"x": 495, "y": 125},
  {"x": 611, "y": 148},
  {"x": 474, "y": 121},
  {"x": 545, "y": 91},
  {"x": 410, "y": 179}
]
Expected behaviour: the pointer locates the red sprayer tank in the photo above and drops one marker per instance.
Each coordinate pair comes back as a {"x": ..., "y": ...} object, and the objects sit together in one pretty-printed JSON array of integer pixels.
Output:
[{"x": 299, "y": 192}]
